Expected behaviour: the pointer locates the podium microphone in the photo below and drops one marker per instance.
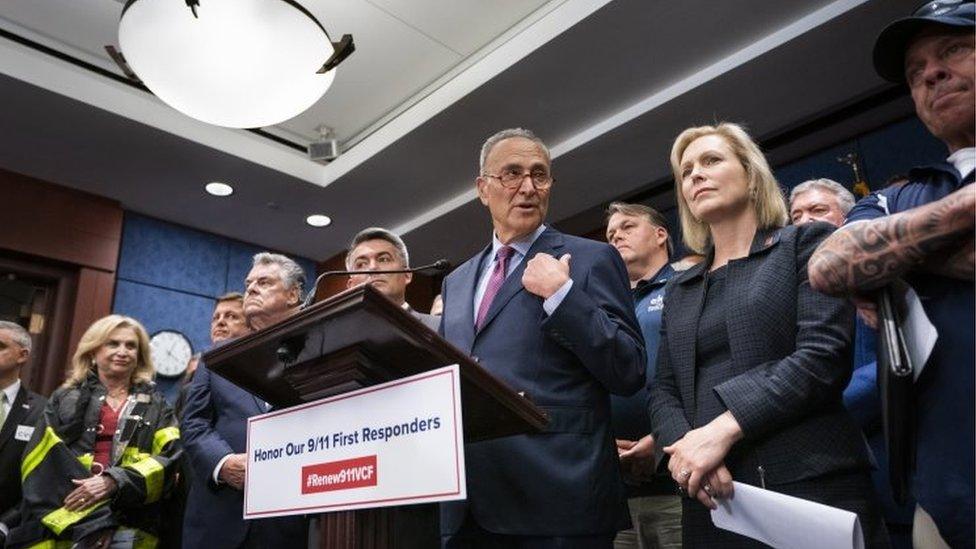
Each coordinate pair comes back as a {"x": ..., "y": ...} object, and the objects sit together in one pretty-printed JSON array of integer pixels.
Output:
[{"x": 439, "y": 265}]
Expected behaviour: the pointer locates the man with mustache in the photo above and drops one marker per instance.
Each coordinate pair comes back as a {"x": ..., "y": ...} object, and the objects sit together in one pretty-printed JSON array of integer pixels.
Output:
[
  {"x": 214, "y": 427},
  {"x": 922, "y": 232},
  {"x": 551, "y": 316}
]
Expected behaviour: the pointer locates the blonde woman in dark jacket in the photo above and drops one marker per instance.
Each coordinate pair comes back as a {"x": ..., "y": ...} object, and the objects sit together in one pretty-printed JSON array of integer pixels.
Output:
[
  {"x": 752, "y": 362},
  {"x": 104, "y": 454}
]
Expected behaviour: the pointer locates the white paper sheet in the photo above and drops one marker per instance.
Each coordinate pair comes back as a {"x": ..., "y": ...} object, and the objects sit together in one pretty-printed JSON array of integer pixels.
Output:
[
  {"x": 785, "y": 521},
  {"x": 920, "y": 333}
]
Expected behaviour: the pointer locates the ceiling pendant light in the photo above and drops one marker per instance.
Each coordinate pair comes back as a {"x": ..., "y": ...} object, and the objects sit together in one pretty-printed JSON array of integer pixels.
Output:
[{"x": 233, "y": 63}]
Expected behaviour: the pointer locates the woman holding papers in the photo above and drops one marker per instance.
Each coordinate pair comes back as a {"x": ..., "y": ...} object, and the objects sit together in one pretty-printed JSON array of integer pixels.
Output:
[{"x": 752, "y": 362}]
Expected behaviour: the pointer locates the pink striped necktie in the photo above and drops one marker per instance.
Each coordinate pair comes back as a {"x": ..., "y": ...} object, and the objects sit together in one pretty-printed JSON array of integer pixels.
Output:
[{"x": 494, "y": 283}]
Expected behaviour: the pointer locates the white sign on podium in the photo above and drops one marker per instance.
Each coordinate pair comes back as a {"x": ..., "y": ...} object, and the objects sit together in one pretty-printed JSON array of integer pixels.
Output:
[{"x": 398, "y": 443}]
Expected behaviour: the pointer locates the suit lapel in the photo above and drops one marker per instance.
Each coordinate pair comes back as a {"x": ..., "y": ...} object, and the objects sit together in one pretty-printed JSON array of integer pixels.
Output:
[
  {"x": 462, "y": 323},
  {"x": 18, "y": 411},
  {"x": 683, "y": 322},
  {"x": 683, "y": 328},
  {"x": 550, "y": 242},
  {"x": 739, "y": 274},
  {"x": 259, "y": 404}
]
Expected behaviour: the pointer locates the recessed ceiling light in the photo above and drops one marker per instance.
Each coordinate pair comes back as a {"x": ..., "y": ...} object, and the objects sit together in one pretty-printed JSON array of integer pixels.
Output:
[
  {"x": 318, "y": 220},
  {"x": 217, "y": 188}
]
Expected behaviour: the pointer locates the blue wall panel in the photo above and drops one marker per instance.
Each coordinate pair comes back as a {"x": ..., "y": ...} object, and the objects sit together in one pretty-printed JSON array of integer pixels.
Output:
[
  {"x": 162, "y": 254},
  {"x": 890, "y": 150},
  {"x": 897, "y": 148},
  {"x": 818, "y": 165},
  {"x": 162, "y": 309},
  {"x": 239, "y": 256}
]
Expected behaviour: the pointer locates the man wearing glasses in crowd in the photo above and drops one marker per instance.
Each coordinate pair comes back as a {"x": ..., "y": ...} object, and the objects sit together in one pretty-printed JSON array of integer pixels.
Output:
[{"x": 551, "y": 316}]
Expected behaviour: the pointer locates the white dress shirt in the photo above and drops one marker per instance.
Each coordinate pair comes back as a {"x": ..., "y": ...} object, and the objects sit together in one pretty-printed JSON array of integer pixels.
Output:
[
  {"x": 521, "y": 247},
  {"x": 11, "y": 392},
  {"x": 964, "y": 160}
]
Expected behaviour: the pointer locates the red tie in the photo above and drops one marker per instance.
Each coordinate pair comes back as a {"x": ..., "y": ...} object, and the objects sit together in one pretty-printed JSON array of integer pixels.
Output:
[{"x": 494, "y": 283}]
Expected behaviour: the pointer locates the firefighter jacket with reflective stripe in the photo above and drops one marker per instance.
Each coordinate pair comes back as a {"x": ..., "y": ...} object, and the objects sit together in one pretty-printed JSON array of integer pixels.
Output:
[{"x": 144, "y": 461}]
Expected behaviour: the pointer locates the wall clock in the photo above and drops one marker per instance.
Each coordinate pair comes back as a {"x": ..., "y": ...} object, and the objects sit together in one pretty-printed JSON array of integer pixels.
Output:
[{"x": 171, "y": 351}]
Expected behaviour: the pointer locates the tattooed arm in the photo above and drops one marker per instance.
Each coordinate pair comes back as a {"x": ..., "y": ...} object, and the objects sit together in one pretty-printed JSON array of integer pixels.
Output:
[{"x": 864, "y": 256}]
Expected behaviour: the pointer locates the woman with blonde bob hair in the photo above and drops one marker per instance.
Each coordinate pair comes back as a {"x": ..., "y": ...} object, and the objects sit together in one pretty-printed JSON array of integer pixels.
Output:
[
  {"x": 97, "y": 334},
  {"x": 752, "y": 362},
  {"x": 103, "y": 457}
]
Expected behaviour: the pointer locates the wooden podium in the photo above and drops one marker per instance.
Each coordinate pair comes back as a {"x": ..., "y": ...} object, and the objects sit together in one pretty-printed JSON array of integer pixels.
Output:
[{"x": 356, "y": 339}]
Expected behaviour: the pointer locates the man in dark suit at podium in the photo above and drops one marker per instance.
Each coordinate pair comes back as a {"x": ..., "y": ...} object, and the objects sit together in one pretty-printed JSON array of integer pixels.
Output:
[
  {"x": 19, "y": 411},
  {"x": 214, "y": 430},
  {"x": 550, "y": 315}
]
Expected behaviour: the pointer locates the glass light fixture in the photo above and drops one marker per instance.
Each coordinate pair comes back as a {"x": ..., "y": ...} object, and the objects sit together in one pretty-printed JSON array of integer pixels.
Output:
[{"x": 233, "y": 63}]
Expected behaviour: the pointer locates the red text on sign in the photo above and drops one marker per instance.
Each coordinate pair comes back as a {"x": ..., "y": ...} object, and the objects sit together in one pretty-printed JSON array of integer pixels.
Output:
[{"x": 339, "y": 475}]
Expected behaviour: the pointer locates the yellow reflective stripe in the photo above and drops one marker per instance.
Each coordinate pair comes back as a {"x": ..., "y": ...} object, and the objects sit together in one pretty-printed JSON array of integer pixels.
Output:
[
  {"x": 52, "y": 544},
  {"x": 144, "y": 540},
  {"x": 86, "y": 460},
  {"x": 38, "y": 453},
  {"x": 152, "y": 471},
  {"x": 163, "y": 437},
  {"x": 132, "y": 455},
  {"x": 61, "y": 518}
]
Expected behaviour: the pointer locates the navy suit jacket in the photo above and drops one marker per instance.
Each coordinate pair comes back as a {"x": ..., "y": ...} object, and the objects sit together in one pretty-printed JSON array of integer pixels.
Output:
[
  {"x": 215, "y": 424},
  {"x": 25, "y": 410},
  {"x": 565, "y": 481}
]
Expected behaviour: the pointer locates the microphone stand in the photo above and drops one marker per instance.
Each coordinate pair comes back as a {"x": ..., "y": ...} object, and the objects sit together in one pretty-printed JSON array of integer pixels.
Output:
[{"x": 439, "y": 265}]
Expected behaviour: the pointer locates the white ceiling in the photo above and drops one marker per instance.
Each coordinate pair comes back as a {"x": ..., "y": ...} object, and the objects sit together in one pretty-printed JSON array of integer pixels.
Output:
[
  {"x": 401, "y": 47},
  {"x": 607, "y": 84}
]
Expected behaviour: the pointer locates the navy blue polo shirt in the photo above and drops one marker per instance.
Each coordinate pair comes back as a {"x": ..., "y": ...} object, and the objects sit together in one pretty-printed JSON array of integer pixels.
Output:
[
  {"x": 943, "y": 482},
  {"x": 629, "y": 416}
]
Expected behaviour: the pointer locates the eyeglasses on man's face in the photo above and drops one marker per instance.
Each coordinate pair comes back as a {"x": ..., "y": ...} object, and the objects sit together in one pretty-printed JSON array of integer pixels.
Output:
[{"x": 512, "y": 178}]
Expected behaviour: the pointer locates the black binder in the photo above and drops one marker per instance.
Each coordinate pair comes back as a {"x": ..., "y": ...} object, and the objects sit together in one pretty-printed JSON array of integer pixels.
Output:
[{"x": 896, "y": 383}]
